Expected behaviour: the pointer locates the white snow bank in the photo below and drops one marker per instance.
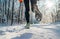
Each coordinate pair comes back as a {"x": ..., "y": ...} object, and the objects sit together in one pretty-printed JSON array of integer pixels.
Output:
[{"x": 35, "y": 32}]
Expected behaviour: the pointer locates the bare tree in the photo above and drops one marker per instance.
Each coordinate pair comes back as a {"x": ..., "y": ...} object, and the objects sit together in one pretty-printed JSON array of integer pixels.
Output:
[
  {"x": 12, "y": 12},
  {"x": 8, "y": 10}
]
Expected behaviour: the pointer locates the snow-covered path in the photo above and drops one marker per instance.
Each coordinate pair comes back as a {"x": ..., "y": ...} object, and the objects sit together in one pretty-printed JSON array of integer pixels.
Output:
[{"x": 35, "y": 32}]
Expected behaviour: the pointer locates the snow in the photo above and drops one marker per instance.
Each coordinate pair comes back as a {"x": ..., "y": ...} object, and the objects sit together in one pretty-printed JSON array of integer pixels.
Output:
[{"x": 36, "y": 31}]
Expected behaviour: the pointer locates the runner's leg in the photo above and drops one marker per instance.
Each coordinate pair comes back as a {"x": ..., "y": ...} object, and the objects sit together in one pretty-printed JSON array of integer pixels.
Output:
[{"x": 26, "y": 2}]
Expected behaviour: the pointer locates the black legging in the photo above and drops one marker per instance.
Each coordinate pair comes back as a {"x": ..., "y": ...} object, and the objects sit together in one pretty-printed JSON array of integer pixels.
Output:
[{"x": 26, "y": 2}]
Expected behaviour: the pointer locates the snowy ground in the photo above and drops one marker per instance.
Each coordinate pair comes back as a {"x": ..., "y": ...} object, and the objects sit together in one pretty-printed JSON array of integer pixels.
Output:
[{"x": 36, "y": 31}]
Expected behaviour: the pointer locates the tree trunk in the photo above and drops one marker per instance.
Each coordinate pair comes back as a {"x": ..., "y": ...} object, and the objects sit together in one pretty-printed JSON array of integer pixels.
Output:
[
  {"x": 12, "y": 12},
  {"x": 8, "y": 10}
]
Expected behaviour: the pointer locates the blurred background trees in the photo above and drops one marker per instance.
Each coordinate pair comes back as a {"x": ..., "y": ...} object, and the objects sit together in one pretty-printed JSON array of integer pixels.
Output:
[{"x": 10, "y": 11}]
